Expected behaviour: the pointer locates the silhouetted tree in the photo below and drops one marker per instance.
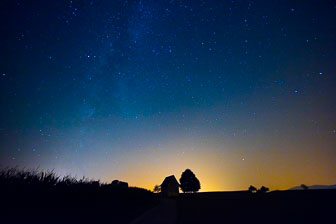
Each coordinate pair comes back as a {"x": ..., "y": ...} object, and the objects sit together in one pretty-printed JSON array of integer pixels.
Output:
[
  {"x": 304, "y": 187},
  {"x": 263, "y": 189},
  {"x": 252, "y": 189},
  {"x": 157, "y": 189},
  {"x": 189, "y": 182}
]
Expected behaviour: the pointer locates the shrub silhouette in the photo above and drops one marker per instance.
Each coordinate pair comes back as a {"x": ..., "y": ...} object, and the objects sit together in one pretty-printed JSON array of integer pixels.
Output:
[
  {"x": 252, "y": 189},
  {"x": 189, "y": 182},
  {"x": 263, "y": 189},
  {"x": 157, "y": 189},
  {"x": 304, "y": 187}
]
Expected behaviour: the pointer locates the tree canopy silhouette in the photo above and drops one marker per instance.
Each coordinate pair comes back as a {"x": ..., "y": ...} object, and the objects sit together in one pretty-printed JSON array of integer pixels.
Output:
[
  {"x": 304, "y": 187},
  {"x": 263, "y": 189},
  {"x": 252, "y": 189},
  {"x": 157, "y": 189},
  {"x": 189, "y": 182}
]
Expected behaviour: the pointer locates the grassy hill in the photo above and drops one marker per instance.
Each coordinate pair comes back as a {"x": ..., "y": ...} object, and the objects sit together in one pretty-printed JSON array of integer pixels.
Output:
[
  {"x": 30, "y": 196},
  {"x": 43, "y": 197}
]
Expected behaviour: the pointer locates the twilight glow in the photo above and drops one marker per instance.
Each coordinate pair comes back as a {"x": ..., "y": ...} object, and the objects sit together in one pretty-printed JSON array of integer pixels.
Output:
[{"x": 240, "y": 92}]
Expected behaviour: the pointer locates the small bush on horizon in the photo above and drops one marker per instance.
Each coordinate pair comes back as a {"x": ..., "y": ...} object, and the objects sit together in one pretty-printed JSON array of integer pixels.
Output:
[
  {"x": 263, "y": 189},
  {"x": 304, "y": 187},
  {"x": 157, "y": 189},
  {"x": 252, "y": 189}
]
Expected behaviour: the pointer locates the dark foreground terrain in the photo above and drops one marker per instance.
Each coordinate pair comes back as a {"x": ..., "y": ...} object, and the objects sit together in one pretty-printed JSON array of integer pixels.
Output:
[
  {"x": 310, "y": 206},
  {"x": 103, "y": 206},
  {"x": 42, "y": 197}
]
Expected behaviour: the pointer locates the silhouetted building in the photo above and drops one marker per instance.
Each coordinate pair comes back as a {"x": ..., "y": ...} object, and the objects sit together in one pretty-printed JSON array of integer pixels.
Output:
[
  {"x": 170, "y": 186},
  {"x": 119, "y": 183}
]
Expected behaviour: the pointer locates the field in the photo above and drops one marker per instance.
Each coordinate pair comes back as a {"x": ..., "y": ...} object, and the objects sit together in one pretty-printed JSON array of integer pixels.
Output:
[
  {"x": 311, "y": 206},
  {"x": 42, "y": 197},
  {"x": 75, "y": 207}
]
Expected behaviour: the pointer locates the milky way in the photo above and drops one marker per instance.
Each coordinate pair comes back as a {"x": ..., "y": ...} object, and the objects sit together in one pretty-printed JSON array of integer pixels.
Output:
[{"x": 241, "y": 92}]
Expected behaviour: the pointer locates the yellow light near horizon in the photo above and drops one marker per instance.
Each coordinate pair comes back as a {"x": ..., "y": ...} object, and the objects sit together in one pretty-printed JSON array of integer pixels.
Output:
[
  {"x": 224, "y": 170},
  {"x": 143, "y": 171}
]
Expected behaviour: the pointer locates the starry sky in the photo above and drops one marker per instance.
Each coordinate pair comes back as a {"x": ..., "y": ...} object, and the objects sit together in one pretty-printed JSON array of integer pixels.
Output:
[{"x": 240, "y": 92}]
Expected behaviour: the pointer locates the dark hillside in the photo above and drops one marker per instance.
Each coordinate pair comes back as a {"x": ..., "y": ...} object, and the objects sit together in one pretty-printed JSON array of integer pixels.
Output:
[
  {"x": 34, "y": 197},
  {"x": 312, "y": 206}
]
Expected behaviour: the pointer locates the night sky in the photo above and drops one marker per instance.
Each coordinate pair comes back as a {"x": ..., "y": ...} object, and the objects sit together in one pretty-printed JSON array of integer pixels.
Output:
[{"x": 240, "y": 92}]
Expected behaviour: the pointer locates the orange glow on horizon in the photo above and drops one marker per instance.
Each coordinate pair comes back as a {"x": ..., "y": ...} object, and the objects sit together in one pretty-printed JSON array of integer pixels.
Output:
[{"x": 225, "y": 171}]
